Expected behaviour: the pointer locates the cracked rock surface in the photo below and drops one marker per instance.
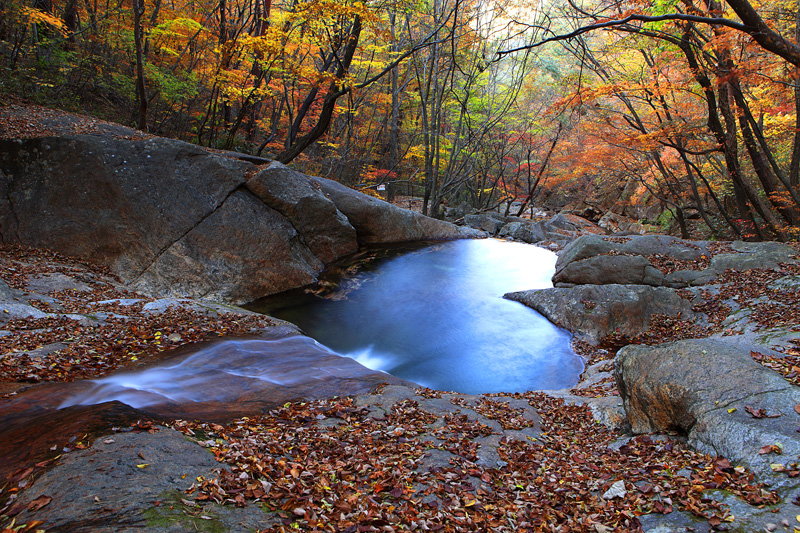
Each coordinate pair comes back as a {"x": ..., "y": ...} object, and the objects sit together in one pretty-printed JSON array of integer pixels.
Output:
[
  {"x": 174, "y": 219},
  {"x": 709, "y": 389}
]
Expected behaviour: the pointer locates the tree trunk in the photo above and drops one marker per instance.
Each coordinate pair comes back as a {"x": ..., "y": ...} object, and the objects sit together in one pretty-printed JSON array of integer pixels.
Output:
[
  {"x": 70, "y": 20},
  {"x": 532, "y": 188},
  {"x": 794, "y": 170},
  {"x": 141, "y": 93},
  {"x": 715, "y": 125},
  {"x": 394, "y": 121},
  {"x": 329, "y": 103}
]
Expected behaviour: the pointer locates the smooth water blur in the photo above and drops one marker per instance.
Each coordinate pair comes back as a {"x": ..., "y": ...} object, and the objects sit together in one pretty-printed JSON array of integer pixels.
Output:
[
  {"x": 223, "y": 371},
  {"x": 436, "y": 316}
]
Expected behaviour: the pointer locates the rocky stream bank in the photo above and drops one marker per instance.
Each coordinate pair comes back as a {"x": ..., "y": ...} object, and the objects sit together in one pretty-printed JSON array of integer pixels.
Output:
[{"x": 686, "y": 417}]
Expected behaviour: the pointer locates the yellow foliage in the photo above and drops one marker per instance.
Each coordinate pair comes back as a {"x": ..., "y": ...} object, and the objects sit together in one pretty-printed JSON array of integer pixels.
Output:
[
  {"x": 36, "y": 16},
  {"x": 416, "y": 154}
]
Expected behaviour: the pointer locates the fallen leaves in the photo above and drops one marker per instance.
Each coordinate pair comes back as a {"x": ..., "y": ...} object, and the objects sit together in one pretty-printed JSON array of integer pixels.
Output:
[
  {"x": 93, "y": 333},
  {"x": 771, "y": 448},
  {"x": 787, "y": 365},
  {"x": 38, "y": 503},
  {"x": 759, "y": 413},
  {"x": 668, "y": 264},
  {"x": 329, "y": 465},
  {"x": 358, "y": 473},
  {"x": 28, "y": 121}
]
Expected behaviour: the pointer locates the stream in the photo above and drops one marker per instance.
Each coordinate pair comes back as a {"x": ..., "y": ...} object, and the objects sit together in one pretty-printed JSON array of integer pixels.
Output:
[
  {"x": 432, "y": 315},
  {"x": 436, "y": 316}
]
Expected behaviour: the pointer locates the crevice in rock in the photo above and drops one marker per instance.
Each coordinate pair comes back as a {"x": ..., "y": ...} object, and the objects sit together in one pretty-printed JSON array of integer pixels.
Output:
[
  {"x": 288, "y": 219},
  {"x": 755, "y": 395},
  {"x": 200, "y": 221}
]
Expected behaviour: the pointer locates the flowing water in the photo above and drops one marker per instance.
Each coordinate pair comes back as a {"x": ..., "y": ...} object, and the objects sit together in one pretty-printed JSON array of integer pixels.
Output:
[
  {"x": 225, "y": 371},
  {"x": 436, "y": 316}
]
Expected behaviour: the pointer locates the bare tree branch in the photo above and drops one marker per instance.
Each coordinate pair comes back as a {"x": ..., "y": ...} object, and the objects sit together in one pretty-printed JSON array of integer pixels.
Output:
[
  {"x": 753, "y": 25},
  {"x": 626, "y": 20}
]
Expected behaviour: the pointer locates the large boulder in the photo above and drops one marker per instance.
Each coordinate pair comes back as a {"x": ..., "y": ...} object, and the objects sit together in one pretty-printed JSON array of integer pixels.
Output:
[
  {"x": 171, "y": 218},
  {"x": 562, "y": 222},
  {"x": 491, "y": 223},
  {"x": 664, "y": 245},
  {"x": 588, "y": 246},
  {"x": 594, "y": 259},
  {"x": 583, "y": 247},
  {"x": 717, "y": 395},
  {"x": 243, "y": 249},
  {"x": 593, "y": 312},
  {"x": 322, "y": 227},
  {"x": 524, "y": 231},
  {"x": 750, "y": 255},
  {"x": 606, "y": 269},
  {"x": 379, "y": 222},
  {"x": 110, "y": 201}
]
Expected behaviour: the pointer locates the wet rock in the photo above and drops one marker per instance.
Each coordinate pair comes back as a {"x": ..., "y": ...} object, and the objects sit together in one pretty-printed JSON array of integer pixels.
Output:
[
  {"x": 701, "y": 388},
  {"x": 215, "y": 381},
  {"x": 592, "y": 312}
]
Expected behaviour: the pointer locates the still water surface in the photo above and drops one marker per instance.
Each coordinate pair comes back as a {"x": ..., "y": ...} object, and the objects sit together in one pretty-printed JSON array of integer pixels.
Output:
[{"x": 436, "y": 316}]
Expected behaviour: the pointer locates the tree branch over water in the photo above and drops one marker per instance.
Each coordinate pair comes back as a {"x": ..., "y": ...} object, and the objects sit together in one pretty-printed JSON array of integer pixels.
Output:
[{"x": 755, "y": 26}]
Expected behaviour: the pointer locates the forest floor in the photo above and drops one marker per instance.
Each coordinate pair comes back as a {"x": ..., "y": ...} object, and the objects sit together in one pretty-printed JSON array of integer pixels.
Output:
[{"x": 405, "y": 459}]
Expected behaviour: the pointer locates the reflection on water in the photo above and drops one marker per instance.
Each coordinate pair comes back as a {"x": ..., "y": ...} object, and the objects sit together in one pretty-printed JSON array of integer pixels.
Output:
[{"x": 436, "y": 317}]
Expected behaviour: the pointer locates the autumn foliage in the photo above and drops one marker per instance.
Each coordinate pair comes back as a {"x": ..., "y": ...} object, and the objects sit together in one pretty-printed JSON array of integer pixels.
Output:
[{"x": 678, "y": 113}]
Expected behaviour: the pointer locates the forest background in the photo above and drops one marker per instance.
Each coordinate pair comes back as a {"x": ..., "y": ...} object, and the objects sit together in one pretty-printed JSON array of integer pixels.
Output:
[{"x": 681, "y": 113}]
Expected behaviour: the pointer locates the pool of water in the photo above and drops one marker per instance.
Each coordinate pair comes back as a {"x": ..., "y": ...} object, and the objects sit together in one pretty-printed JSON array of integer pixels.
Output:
[{"x": 436, "y": 316}]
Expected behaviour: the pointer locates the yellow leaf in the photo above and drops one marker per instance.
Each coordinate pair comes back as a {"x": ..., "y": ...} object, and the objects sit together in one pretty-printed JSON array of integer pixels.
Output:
[
  {"x": 143, "y": 465},
  {"x": 732, "y": 409}
]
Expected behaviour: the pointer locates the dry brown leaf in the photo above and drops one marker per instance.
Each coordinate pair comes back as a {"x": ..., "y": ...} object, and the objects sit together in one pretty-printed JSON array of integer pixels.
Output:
[{"x": 38, "y": 503}]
